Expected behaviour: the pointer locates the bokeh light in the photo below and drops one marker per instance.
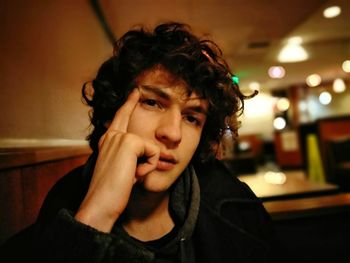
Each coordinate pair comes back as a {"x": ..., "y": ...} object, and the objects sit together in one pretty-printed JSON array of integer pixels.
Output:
[
  {"x": 283, "y": 104},
  {"x": 279, "y": 123},
  {"x": 339, "y": 85},
  {"x": 325, "y": 98},
  {"x": 276, "y": 72},
  {"x": 313, "y": 80},
  {"x": 346, "y": 66},
  {"x": 332, "y": 11}
]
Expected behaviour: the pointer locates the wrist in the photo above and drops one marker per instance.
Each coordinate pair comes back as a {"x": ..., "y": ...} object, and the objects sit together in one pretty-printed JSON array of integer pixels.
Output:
[{"x": 94, "y": 218}]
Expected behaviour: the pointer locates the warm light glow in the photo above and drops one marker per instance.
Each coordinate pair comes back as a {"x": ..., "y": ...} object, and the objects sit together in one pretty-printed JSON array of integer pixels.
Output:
[
  {"x": 325, "y": 98},
  {"x": 346, "y": 66},
  {"x": 244, "y": 146},
  {"x": 254, "y": 85},
  {"x": 260, "y": 105},
  {"x": 295, "y": 40},
  {"x": 339, "y": 85},
  {"x": 283, "y": 104},
  {"x": 276, "y": 72},
  {"x": 275, "y": 177},
  {"x": 313, "y": 80},
  {"x": 332, "y": 11},
  {"x": 293, "y": 51},
  {"x": 279, "y": 123}
]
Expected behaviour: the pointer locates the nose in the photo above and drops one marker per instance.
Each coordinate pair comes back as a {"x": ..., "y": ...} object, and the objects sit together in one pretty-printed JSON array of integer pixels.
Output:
[{"x": 169, "y": 129}]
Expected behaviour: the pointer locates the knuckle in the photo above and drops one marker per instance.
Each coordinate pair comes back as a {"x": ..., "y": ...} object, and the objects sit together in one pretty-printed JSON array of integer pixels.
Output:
[{"x": 131, "y": 139}]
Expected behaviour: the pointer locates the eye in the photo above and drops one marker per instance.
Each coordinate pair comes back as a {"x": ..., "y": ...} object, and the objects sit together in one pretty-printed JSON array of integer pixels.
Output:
[
  {"x": 193, "y": 120},
  {"x": 150, "y": 103}
]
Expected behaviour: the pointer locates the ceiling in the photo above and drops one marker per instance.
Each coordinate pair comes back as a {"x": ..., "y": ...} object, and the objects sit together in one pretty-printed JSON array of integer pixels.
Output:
[{"x": 251, "y": 32}]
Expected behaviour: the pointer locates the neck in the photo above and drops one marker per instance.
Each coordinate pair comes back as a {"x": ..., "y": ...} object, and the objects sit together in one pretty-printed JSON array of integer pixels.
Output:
[{"x": 147, "y": 215}]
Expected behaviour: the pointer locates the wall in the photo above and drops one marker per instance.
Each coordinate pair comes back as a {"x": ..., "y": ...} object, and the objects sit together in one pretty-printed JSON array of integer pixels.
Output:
[
  {"x": 258, "y": 116},
  {"x": 259, "y": 111},
  {"x": 314, "y": 110},
  {"x": 26, "y": 176},
  {"x": 340, "y": 105},
  {"x": 48, "y": 50}
]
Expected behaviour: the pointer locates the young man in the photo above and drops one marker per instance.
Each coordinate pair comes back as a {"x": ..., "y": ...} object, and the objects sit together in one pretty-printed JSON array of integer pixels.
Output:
[{"x": 152, "y": 190}]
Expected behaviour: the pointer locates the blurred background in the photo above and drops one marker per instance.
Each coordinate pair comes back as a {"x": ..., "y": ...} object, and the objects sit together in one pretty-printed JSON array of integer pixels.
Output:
[{"x": 295, "y": 53}]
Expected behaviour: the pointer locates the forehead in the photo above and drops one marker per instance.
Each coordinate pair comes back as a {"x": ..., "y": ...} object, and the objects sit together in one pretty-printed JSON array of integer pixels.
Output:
[{"x": 161, "y": 78}]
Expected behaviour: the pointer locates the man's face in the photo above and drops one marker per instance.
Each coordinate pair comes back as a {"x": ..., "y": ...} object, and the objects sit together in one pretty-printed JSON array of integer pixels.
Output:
[{"x": 172, "y": 119}]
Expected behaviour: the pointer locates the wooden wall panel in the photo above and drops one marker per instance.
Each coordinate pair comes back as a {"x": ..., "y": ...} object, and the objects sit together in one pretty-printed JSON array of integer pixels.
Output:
[
  {"x": 23, "y": 190},
  {"x": 11, "y": 202},
  {"x": 38, "y": 180},
  {"x": 287, "y": 158}
]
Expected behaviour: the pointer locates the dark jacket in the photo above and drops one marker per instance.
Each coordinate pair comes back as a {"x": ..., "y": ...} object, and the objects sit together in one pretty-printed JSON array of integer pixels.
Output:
[{"x": 231, "y": 226}]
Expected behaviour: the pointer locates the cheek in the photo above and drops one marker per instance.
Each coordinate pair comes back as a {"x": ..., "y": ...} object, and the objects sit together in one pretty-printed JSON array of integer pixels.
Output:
[{"x": 191, "y": 141}]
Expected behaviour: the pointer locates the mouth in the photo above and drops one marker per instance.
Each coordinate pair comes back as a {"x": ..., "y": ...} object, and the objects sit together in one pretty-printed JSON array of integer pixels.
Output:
[{"x": 166, "y": 162}]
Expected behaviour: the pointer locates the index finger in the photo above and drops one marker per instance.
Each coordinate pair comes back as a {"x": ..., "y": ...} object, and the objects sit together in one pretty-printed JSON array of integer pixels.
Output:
[{"x": 122, "y": 116}]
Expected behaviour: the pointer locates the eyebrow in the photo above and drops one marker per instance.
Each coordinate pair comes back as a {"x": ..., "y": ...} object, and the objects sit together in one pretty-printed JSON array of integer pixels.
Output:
[
  {"x": 156, "y": 90},
  {"x": 198, "y": 109},
  {"x": 163, "y": 94}
]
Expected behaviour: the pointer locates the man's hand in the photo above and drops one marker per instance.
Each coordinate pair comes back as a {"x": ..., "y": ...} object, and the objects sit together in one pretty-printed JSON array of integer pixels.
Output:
[{"x": 116, "y": 170}]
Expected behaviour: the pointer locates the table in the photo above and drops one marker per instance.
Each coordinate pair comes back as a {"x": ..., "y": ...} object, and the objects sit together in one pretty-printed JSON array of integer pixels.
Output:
[
  {"x": 302, "y": 207},
  {"x": 286, "y": 185}
]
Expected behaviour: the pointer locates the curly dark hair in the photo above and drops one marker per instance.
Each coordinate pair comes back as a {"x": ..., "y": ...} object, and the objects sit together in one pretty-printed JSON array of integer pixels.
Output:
[{"x": 198, "y": 62}]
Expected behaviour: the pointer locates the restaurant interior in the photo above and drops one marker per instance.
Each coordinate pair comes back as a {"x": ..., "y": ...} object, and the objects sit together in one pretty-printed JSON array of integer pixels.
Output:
[{"x": 293, "y": 148}]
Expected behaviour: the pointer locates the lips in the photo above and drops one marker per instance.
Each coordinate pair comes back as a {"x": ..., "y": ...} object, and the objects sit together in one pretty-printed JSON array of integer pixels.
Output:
[{"x": 166, "y": 162}]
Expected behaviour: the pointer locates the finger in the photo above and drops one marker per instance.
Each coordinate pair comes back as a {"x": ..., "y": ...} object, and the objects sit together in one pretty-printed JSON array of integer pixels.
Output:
[
  {"x": 101, "y": 141},
  {"x": 103, "y": 138},
  {"x": 122, "y": 116},
  {"x": 149, "y": 161}
]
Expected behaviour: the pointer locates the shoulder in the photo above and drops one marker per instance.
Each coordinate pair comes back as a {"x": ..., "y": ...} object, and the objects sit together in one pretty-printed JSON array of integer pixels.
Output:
[
  {"x": 224, "y": 195},
  {"x": 68, "y": 192},
  {"x": 64, "y": 194},
  {"x": 217, "y": 181}
]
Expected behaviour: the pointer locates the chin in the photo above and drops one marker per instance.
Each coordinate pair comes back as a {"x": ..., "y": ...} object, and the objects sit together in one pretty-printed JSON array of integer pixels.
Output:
[{"x": 159, "y": 181}]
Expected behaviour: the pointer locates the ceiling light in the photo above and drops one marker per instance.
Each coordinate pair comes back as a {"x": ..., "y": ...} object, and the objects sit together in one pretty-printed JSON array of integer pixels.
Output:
[
  {"x": 295, "y": 40},
  {"x": 254, "y": 85},
  {"x": 332, "y": 11},
  {"x": 346, "y": 66},
  {"x": 339, "y": 85},
  {"x": 313, "y": 80},
  {"x": 293, "y": 51},
  {"x": 279, "y": 123},
  {"x": 276, "y": 72},
  {"x": 325, "y": 98}
]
